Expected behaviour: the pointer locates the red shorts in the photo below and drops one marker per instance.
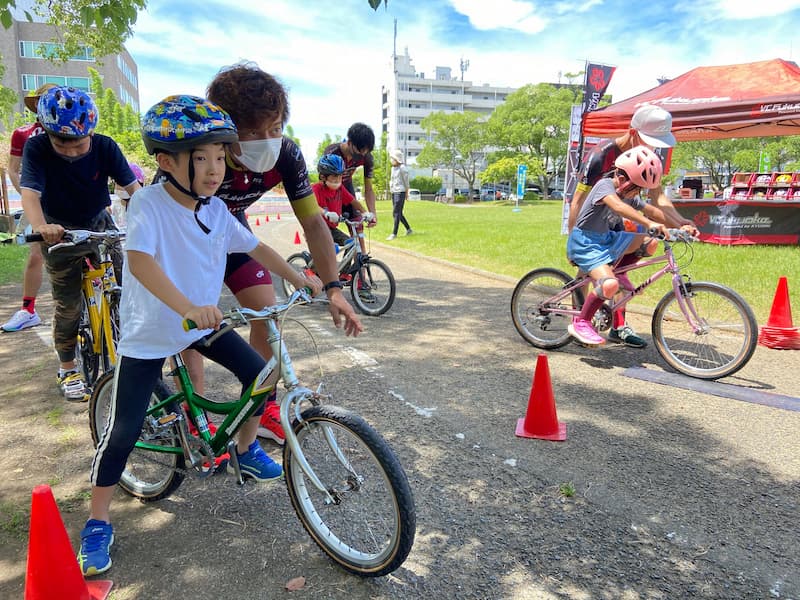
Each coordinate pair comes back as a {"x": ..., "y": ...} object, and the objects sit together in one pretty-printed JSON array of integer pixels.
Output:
[{"x": 243, "y": 272}]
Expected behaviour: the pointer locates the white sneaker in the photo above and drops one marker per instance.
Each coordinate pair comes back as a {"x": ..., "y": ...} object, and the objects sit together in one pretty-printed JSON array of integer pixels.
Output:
[
  {"x": 22, "y": 319},
  {"x": 391, "y": 237}
]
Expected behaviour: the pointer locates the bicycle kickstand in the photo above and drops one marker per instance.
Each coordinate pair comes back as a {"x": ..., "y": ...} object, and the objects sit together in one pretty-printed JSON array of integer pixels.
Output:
[{"x": 234, "y": 460}]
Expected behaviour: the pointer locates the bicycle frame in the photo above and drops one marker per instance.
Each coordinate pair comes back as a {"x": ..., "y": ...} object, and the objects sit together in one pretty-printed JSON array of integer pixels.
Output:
[
  {"x": 678, "y": 285},
  {"x": 278, "y": 368},
  {"x": 97, "y": 285}
]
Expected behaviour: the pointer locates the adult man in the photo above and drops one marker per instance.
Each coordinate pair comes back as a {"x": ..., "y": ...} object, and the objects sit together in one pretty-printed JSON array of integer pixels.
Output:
[
  {"x": 356, "y": 151},
  {"x": 650, "y": 126},
  {"x": 32, "y": 276}
]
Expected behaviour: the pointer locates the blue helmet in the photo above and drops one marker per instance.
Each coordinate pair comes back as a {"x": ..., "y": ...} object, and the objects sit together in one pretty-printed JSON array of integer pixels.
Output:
[
  {"x": 330, "y": 164},
  {"x": 67, "y": 112},
  {"x": 180, "y": 123}
]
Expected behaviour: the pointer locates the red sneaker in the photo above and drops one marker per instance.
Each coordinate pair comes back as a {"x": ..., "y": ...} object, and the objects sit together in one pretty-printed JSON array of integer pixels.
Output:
[{"x": 270, "y": 425}]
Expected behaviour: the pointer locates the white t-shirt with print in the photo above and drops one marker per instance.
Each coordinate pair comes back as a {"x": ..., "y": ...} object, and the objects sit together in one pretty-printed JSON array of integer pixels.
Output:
[{"x": 193, "y": 260}]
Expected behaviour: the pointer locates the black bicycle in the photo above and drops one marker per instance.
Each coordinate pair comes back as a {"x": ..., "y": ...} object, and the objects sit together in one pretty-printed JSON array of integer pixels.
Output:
[{"x": 372, "y": 285}]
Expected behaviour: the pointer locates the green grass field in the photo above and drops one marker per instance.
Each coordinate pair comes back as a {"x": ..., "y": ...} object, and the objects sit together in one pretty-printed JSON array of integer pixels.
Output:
[{"x": 492, "y": 237}]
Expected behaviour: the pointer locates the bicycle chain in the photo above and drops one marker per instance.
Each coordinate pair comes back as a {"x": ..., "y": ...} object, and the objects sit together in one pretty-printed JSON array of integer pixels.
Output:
[{"x": 206, "y": 451}]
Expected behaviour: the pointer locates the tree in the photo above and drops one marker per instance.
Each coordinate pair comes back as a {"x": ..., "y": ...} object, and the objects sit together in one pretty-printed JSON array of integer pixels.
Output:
[
  {"x": 504, "y": 168},
  {"x": 533, "y": 124},
  {"x": 120, "y": 122},
  {"x": 458, "y": 143},
  {"x": 426, "y": 185},
  {"x": 719, "y": 158},
  {"x": 104, "y": 25}
]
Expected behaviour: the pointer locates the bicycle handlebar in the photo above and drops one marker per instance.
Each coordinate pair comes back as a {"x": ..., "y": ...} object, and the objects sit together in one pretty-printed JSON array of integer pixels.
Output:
[
  {"x": 672, "y": 235},
  {"x": 75, "y": 237},
  {"x": 241, "y": 316}
]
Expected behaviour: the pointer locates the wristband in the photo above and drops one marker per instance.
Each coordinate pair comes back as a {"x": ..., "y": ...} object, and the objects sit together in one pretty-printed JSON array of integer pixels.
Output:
[{"x": 332, "y": 284}]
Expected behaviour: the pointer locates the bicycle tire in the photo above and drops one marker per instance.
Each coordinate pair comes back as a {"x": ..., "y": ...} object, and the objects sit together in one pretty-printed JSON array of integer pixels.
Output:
[
  {"x": 374, "y": 295},
  {"x": 113, "y": 313},
  {"x": 148, "y": 475},
  {"x": 532, "y": 319},
  {"x": 369, "y": 530},
  {"x": 84, "y": 349},
  {"x": 298, "y": 262},
  {"x": 724, "y": 346}
]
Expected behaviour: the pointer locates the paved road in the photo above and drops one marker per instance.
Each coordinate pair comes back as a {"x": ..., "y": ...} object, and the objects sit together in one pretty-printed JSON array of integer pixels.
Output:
[{"x": 677, "y": 494}]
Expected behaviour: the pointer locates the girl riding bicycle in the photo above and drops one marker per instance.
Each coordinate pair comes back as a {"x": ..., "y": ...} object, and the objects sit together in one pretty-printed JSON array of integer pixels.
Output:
[
  {"x": 179, "y": 235},
  {"x": 592, "y": 244}
]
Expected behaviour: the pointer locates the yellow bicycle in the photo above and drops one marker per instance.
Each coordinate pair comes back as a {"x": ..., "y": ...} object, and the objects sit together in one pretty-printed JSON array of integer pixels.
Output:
[{"x": 98, "y": 331}]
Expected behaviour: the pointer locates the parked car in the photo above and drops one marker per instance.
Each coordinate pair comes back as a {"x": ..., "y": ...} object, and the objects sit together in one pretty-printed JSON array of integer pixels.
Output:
[
  {"x": 557, "y": 195},
  {"x": 413, "y": 194}
]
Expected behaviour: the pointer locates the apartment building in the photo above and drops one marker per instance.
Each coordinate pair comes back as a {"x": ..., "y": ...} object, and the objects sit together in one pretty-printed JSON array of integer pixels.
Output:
[
  {"x": 22, "y": 46},
  {"x": 411, "y": 96}
]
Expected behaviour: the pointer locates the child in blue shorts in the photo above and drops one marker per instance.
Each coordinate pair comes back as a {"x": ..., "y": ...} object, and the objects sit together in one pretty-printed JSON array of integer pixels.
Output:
[{"x": 595, "y": 247}]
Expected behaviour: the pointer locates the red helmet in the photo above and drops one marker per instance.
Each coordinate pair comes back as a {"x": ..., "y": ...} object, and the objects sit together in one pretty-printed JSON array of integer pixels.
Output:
[{"x": 642, "y": 166}]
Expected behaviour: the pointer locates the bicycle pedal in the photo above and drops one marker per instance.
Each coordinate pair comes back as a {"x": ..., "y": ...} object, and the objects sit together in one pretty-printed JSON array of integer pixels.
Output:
[{"x": 168, "y": 419}]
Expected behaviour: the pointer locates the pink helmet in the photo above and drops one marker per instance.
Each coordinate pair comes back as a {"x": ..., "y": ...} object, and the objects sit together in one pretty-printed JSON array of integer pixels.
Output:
[
  {"x": 137, "y": 172},
  {"x": 642, "y": 166}
]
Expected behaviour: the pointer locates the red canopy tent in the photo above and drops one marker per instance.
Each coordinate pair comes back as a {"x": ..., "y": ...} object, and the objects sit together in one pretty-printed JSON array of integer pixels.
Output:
[{"x": 747, "y": 100}]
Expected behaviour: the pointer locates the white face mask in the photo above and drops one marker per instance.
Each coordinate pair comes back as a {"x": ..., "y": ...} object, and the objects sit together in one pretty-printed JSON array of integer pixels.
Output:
[
  {"x": 334, "y": 185},
  {"x": 260, "y": 155}
]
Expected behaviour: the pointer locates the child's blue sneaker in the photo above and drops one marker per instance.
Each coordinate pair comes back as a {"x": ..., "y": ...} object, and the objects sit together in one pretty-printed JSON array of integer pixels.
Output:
[
  {"x": 256, "y": 464},
  {"x": 96, "y": 540}
]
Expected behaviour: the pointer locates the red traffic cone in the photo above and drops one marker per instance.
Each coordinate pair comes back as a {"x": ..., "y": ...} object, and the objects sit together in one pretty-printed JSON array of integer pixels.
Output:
[
  {"x": 53, "y": 570},
  {"x": 541, "y": 420},
  {"x": 297, "y": 238},
  {"x": 278, "y": 216},
  {"x": 266, "y": 218},
  {"x": 781, "y": 313},
  {"x": 258, "y": 223},
  {"x": 246, "y": 216}
]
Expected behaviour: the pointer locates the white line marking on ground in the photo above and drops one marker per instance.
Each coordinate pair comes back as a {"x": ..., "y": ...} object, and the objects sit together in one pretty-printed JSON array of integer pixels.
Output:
[
  {"x": 359, "y": 357},
  {"x": 422, "y": 412}
]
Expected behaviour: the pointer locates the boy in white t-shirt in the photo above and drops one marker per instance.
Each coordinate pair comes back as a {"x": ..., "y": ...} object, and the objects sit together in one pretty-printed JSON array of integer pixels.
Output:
[{"x": 179, "y": 235}]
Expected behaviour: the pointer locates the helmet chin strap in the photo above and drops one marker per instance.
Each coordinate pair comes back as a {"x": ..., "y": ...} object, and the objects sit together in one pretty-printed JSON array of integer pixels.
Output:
[{"x": 201, "y": 200}]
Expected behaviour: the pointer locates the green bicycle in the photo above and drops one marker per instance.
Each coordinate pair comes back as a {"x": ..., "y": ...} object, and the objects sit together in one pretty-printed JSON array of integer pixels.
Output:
[{"x": 345, "y": 483}]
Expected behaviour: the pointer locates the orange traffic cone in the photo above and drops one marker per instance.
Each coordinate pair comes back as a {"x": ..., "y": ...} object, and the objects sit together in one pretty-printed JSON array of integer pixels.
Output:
[
  {"x": 541, "y": 420},
  {"x": 278, "y": 216},
  {"x": 780, "y": 332},
  {"x": 297, "y": 238},
  {"x": 258, "y": 223},
  {"x": 53, "y": 570},
  {"x": 266, "y": 218}
]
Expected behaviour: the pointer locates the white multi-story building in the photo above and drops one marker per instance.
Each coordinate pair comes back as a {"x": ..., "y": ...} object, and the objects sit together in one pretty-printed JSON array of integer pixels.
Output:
[{"x": 410, "y": 97}]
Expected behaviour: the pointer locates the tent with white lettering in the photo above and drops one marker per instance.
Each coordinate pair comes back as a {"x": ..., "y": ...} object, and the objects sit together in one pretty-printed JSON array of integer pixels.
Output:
[{"x": 746, "y": 100}]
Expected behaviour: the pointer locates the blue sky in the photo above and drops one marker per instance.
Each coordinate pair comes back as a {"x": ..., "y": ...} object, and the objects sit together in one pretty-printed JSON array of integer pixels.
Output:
[{"x": 334, "y": 55}]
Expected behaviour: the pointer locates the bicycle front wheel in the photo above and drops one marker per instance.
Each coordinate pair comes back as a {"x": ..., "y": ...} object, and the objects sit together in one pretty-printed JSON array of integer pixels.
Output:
[
  {"x": 298, "y": 262},
  {"x": 723, "y": 341},
  {"x": 149, "y": 474},
  {"x": 540, "y": 317},
  {"x": 84, "y": 349},
  {"x": 370, "y": 526},
  {"x": 373, "y": 288}
]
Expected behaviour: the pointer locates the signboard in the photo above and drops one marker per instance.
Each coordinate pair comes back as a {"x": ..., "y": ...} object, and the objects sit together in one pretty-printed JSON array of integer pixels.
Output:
[
  {"x": 522, "y": 172},
  {"x": 736, "y": 223}
]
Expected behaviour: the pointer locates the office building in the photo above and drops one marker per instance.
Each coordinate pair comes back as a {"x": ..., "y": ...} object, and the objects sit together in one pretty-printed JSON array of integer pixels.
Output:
[
  {"x": 411, "y": 96},
  {"x": 22, "y": 46}
]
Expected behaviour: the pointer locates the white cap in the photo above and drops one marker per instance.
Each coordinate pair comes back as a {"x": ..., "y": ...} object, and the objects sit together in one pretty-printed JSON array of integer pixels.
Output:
[
  {"x": 396, "y": 155},
  {"x": 654, "y": 125}
]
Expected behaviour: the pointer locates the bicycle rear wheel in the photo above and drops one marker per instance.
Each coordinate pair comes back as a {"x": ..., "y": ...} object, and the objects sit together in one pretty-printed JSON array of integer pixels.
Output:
[
  {"x": 298, "y": 262},
  {"x": 532, "y": 307},
  {"x": 370, "y": 527},
  {"x": 724, "y": 343},
  {"x": 373, "y": 288},
  {"x": 149, "y": 474}
]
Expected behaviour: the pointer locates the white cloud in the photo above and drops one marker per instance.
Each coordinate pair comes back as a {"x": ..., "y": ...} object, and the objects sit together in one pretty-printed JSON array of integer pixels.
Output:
[{"x": 501, "y": 14}]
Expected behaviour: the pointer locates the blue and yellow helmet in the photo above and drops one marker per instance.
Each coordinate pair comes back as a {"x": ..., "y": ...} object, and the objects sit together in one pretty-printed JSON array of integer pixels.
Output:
[
  {"x": 67, "y": 112},
  {"x": 179, "y": 123}
]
